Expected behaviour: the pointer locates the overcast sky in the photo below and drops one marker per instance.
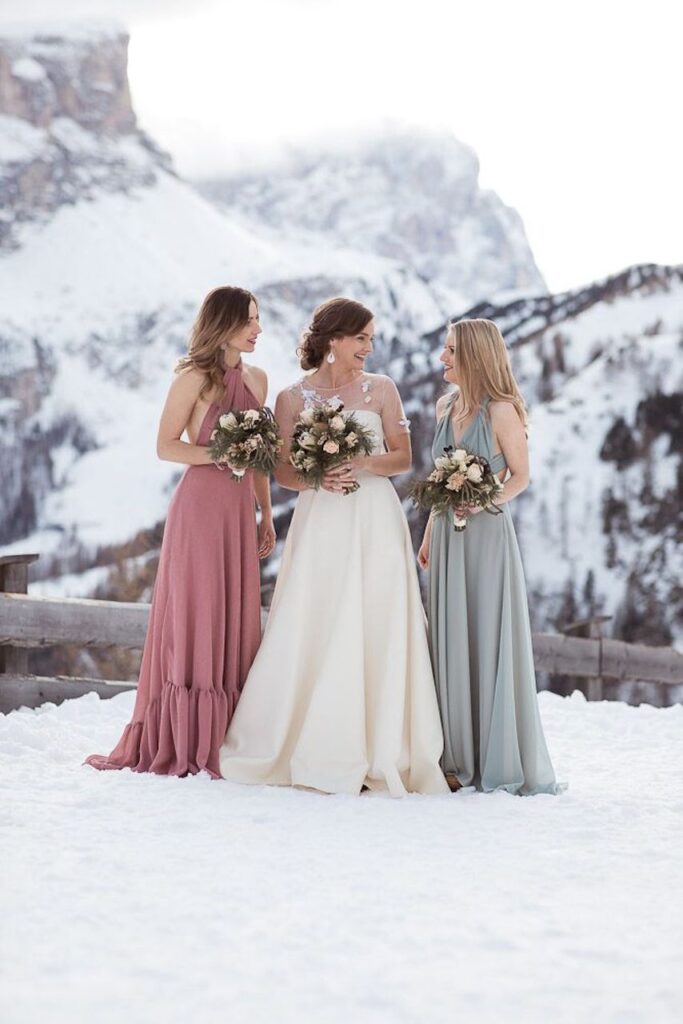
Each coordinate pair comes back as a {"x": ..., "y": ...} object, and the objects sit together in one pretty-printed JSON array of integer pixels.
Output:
[{"x": 574, "y": 108}]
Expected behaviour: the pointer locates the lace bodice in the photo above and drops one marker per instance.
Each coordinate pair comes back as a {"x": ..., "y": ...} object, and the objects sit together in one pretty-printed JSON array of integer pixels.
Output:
[{"x": 371, "y": 393}]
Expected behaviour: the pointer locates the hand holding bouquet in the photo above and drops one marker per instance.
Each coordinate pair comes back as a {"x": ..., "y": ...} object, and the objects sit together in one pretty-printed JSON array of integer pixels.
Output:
[
  {"x": 246, "y": 439},
  {"x": 459, "y": 479},
  {"x": 323, "y": 439}
]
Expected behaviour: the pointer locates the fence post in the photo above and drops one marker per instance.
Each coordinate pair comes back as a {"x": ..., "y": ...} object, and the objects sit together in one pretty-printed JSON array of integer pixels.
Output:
[
  {"x": 592, "y": 629},
  {"x": 14, "y": 580}
]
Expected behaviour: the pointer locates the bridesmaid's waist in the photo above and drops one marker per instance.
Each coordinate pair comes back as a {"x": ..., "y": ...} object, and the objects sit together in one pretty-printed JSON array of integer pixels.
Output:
[{"x": 211, "y": 476}]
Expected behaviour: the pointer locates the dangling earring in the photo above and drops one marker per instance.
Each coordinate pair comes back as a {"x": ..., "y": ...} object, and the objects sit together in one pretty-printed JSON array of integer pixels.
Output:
[{"x": 331, "y": 357}]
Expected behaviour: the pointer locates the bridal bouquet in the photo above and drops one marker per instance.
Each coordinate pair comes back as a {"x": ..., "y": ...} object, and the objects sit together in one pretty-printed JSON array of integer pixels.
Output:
[
  {"x": 246, "y": 439},
  {"x": 323, "y": 439},
  {"x": 459, "y": 478}
]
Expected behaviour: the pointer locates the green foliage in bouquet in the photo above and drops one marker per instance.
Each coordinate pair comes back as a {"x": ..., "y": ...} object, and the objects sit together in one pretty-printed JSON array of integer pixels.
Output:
[
  {"x": 246, "y": 439},
  {"x": 323, "y": 438},
  {"x": 459, "y": 478}
]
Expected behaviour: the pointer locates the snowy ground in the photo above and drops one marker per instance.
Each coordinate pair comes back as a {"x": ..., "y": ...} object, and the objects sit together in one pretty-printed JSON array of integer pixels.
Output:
[{"x": 136, "y": 898}]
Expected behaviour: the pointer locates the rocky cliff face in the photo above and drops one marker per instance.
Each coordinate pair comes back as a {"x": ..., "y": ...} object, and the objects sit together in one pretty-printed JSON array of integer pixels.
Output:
[
  {"x": 412, "y": 195},
  {"x": 67, "y": 124},
  {"x": 47, "y": 75}
]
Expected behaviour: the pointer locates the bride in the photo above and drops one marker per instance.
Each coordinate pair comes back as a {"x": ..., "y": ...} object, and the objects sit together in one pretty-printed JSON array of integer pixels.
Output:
[{"x": 341, "y": 694}]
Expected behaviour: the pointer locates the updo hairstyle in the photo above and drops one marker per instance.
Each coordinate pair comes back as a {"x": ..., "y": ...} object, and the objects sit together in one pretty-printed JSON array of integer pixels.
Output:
[{"x": 335, "y": 318}]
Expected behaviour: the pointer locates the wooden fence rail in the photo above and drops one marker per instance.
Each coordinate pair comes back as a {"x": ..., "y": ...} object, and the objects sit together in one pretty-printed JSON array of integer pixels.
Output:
[{"x": 27, "y": 621}]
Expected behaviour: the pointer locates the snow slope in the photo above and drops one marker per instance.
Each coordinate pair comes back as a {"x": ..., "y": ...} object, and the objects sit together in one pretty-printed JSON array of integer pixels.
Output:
[{"x": 138, "y": 898}]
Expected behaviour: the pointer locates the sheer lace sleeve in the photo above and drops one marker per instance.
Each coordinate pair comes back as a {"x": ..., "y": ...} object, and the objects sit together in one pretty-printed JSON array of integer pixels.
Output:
[
  {"x": 394, "y": 419},
  {"x": 288, "y": 405}
]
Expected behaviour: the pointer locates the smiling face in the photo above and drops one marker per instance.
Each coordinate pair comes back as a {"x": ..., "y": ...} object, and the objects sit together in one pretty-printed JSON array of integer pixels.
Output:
[
  {"x": 448, "y": 359},
  {"x": 244, "y": 338},
  {"x": 351, "y": 352}
]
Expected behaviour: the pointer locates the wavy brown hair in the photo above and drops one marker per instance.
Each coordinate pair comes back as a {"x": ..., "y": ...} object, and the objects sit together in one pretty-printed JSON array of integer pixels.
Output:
[
  {"x": 224, "y": 311},
  {"x": 483, "y": 366},
  {"x": 335, "y": 318}
]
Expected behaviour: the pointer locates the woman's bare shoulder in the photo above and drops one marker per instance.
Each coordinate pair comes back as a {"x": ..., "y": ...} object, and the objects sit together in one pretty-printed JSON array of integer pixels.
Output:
[
  {"x": 502, "y": 411},
  {"x": 188, "y": 380}
]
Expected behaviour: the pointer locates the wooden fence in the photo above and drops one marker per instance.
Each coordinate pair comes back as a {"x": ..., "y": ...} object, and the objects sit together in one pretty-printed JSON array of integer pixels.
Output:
[{"x": 29, "y": 622}]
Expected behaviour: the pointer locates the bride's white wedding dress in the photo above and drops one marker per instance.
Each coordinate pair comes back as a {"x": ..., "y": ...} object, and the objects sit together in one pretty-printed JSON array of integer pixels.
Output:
[{"x": 341, "y": 694}]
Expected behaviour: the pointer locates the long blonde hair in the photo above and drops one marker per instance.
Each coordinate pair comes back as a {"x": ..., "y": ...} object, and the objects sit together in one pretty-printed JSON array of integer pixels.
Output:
[
  {"x": 223, "y": 312},
  {"x": 483, "y": 366}
]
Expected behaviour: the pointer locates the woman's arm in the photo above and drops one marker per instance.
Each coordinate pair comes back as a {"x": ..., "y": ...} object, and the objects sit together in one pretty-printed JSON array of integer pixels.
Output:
[
  {"x": 510, "y": 435},
  {"x": 423, "y": 553},
  {"x": 285, "y": 474},
  {"x": 262, "y": 492},
  {"x": 180, "y": 401},
  {"x": 509, "y": 432},
  {"x": 266, "y": 531},
  {"x": 397, "y": 460}
]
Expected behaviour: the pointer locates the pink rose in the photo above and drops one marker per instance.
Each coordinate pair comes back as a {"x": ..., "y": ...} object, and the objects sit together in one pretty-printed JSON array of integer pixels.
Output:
[
  {"x": 455, "y": 481},
  {"x": 331, "y": 447}
]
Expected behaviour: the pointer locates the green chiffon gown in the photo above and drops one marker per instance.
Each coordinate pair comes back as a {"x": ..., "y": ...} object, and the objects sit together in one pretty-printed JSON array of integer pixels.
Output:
[{"x": 481, "y": 641}]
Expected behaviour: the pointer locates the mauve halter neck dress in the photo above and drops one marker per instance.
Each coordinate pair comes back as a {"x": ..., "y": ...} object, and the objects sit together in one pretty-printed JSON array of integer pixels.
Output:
[{"x": 204, "y": 626}]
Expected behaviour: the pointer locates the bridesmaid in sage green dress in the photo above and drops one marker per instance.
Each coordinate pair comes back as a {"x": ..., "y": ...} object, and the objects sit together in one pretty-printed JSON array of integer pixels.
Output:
[{"x": 478, "y": 613}]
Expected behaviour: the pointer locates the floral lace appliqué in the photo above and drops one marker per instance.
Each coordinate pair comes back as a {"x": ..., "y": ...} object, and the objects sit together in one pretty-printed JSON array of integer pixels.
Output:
[{"x": 312, "y": 398}]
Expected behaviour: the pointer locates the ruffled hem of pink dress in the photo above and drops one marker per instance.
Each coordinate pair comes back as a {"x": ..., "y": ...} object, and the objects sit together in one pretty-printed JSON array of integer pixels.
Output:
[{"x": 180, "y": 734}]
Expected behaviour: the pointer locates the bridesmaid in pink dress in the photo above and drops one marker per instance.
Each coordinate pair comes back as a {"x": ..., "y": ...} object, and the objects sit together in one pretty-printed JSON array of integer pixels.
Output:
[{"x": 204, "y": 627}]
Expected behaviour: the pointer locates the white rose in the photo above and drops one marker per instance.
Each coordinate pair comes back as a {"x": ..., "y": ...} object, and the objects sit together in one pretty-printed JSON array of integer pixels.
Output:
[
  {"x": 307, "y": 417},
  {"x": 252, "y": 416},
  {"x": 337, "y": 423},
  {"x": 460, "y": 455},
  {"x": 442, "y": 462},
  {"x": 474, "y": 473},
  {"x": 228, "y": 420}
]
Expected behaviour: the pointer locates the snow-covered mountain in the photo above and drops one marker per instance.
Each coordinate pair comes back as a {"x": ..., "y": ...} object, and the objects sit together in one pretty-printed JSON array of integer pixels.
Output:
[
  {"x": 105, "y": 257},
  {"x": 409, "y": 194}
]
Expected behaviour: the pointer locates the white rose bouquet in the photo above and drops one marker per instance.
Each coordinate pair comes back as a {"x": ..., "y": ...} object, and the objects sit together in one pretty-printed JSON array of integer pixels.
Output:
[
  {"x": 246, "y": 439},
  {"x": 323, "y": 438},
  {"x": 459, "y": 478}
]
